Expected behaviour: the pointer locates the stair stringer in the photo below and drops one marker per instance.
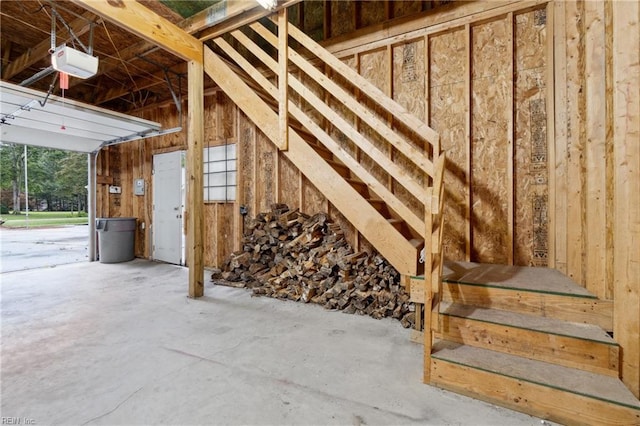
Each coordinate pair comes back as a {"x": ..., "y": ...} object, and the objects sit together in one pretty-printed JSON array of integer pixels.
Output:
[{"x": 380, "y": 233}]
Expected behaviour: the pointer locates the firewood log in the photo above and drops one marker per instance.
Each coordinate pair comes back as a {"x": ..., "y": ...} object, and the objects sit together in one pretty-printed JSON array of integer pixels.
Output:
[{"x": 287, "y": 254}]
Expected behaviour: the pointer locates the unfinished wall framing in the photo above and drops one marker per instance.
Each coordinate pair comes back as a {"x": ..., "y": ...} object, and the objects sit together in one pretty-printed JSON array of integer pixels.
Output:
[
  {"x": 121, "y": 164},
  {"x": 537, "y": 107}
]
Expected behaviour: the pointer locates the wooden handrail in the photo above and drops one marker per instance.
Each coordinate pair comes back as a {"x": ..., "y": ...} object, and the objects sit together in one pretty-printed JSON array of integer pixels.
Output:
[
  {"x": 397, "y": 172},
  {"x": 387, "y": 196},
  {"x": 369, "y": 89},
  {"x": 414, "y": 155}
]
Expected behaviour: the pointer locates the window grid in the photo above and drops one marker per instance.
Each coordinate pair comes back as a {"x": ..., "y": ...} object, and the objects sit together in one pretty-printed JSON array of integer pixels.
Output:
[{"x": 220, "y": 173}]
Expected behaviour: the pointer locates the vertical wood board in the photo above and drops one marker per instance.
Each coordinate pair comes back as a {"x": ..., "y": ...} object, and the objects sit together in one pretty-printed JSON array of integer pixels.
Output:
[
  {"x": 626, "y": 152},
  {"x": 595, "y": 150}
]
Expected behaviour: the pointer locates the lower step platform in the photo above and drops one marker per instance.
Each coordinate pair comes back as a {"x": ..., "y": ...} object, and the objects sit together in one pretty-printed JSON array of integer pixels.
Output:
[{"x": 553, "y": 392}]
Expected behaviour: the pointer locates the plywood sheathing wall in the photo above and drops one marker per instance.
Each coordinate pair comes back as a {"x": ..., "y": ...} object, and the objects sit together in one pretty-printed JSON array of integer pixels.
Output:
[{"x": 482, "y": 85}]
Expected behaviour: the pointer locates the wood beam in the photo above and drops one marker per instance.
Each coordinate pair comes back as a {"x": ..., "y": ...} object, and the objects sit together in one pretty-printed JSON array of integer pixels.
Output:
[
  {"x": 144, "y": 23},
  {"x": 195, "y": 178},
  {"x": 40, "y": 51},
  {"x": 198, "y": 22},
  {"x": 241, "y": 19}
]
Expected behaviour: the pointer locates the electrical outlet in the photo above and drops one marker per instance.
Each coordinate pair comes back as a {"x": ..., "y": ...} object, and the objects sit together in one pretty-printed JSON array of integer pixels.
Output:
[{"x": 115, "y": 189}]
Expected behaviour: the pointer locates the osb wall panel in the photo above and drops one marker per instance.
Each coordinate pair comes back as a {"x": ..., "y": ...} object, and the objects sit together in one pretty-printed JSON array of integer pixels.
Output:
[
  {"x": 313, "y": 200},
  {"x": 313, "y": 19},
  {"x": 374, "y": 66},
  {"x": 531, "y": 174},
  {"x": 350, "y": 232},
  {"x": 408, "y": 89},
  {"x": 344, "y": 112},
  {"x": 371, "y": 12},
  {"x": 447, "y": 69},
  {"x": 402, "y": 8},
  {"x": 265, "y": 173},
  {"x": 342, "y": 18},
  {"x": 307, "y": 106},
  {"x": 289, "y": 183},
  {"x": 490, "y": 90},
  {"x": 490, "y": 108},
  {"x": 409, "y": 76}
]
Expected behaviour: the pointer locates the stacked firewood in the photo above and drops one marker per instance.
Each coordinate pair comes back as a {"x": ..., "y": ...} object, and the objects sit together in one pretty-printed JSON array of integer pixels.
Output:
[{"x": 289, "y": 255}]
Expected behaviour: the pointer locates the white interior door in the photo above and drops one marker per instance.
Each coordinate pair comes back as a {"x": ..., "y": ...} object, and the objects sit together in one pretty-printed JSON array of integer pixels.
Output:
[{"x": 168, "y": 205}]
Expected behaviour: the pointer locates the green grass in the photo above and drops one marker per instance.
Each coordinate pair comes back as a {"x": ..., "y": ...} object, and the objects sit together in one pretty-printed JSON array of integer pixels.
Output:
[{"x": 40, "y": 219}]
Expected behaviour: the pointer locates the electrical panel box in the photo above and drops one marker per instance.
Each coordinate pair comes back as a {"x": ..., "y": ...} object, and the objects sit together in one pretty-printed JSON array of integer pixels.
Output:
[{"x": 138, "y": 187}]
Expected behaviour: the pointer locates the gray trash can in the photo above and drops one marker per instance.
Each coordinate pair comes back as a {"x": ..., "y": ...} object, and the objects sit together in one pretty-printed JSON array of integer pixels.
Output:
[{"x": 116, "y": 236}]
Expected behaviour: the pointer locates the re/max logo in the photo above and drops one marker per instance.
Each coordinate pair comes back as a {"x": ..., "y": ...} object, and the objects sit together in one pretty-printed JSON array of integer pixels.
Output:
[{"x": 17, "y": 421}]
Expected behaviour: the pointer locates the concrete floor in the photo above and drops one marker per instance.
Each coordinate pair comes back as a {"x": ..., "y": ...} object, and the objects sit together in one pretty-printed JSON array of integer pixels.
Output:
[
  {"x": 93, "y": 343},
  {"x": 28, "y": 248}
]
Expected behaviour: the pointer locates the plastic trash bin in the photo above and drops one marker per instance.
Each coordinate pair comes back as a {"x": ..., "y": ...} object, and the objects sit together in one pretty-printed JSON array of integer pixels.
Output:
[{"x": 116, "y": 236}]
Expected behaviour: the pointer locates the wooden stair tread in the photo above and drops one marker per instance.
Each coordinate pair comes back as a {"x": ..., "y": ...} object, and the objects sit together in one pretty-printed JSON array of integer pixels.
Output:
[
  {"x": 528, "y": 322},
  {"x": 584, "y": 383},
  {"x": 525, "y": 278},
  {"x": 417, "y": 243}
]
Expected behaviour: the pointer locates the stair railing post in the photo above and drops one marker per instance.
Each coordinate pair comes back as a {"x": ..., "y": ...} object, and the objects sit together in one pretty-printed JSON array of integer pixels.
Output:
[
  {"x": 283, "y": 80},
  {"x": 428, "y": 293}
]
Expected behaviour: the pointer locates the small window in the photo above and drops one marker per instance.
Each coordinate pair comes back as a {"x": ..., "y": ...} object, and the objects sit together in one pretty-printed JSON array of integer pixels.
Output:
[{"x": 220, "y": 173}]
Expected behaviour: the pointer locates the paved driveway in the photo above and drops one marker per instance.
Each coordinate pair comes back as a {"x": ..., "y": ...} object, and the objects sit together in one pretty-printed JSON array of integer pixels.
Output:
[{"x": 22, "y": 249}]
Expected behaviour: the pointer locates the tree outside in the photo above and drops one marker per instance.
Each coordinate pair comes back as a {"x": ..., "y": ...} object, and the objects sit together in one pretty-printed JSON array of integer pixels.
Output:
[{"x": 56, "y": 179}]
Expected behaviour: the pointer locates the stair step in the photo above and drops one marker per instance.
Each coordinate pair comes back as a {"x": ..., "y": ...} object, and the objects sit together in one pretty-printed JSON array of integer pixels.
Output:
[
  {"x": 417, "y": 243},
  {"x": 526, "y": 278},
  {"x": 340, "y": 168},
  {"x": 396, "y": 223},
  {"x": 322, "y": 151},
  {"x": 536, "y": 291},
  {"x": 558, "y": 393},
  {"x": 582, "y": 346},
  {"x": 529, "y": 322},
  {"x": 377, "y": 204},
  {"x": 359, "y": 186}
]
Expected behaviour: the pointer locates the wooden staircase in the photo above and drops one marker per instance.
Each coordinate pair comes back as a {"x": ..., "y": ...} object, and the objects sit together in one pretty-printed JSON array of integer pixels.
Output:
[
  {"x": 529, "y": 339},
  {"x": 308, "y": 103}
]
